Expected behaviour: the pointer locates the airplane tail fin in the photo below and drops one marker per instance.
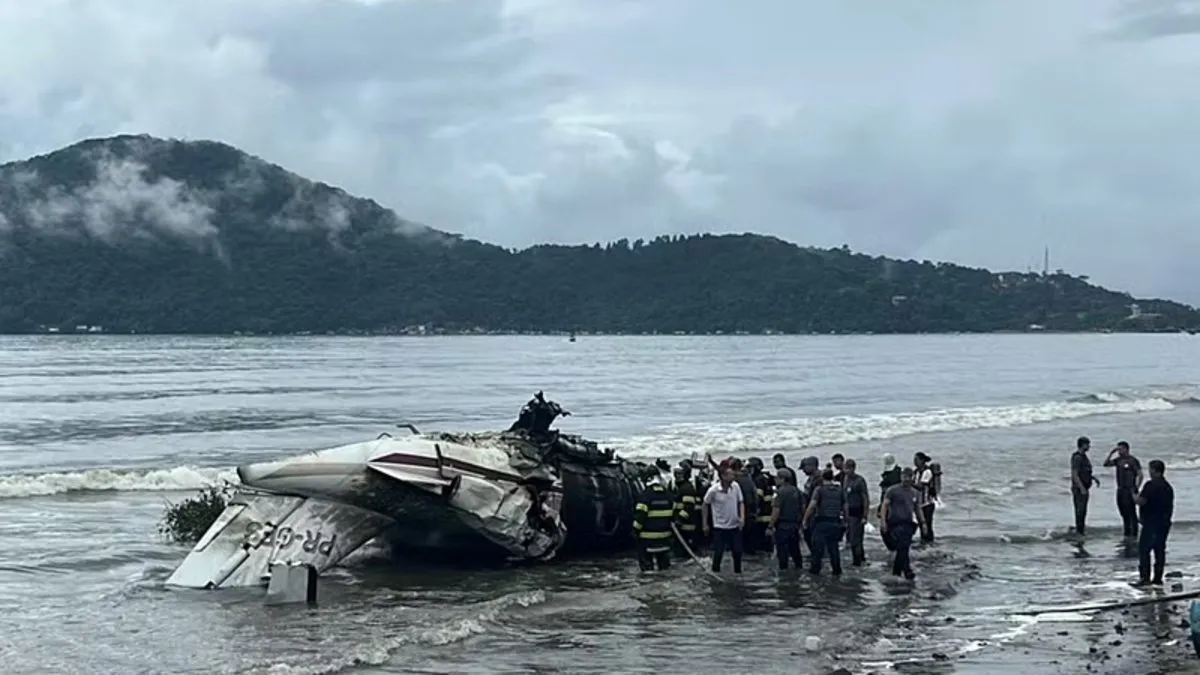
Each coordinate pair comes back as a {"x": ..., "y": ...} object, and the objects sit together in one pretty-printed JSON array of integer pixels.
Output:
[{"x": 259, "y": 529}]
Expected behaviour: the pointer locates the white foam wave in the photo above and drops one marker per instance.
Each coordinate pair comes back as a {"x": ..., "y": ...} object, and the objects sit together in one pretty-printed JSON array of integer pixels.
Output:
[
  {"x": 377, "y": 653},
  {"x": 771, "y": 435},
  {"x": 155, "y": 480}
]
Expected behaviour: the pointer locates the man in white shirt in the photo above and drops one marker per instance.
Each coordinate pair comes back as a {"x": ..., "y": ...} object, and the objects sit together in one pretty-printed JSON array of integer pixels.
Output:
[{"x": 724, "y": 519}]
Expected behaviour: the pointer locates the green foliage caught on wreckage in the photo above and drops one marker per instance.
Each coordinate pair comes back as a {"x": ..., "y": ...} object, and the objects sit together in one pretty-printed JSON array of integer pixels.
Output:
[
  {"x": 199, "y": 237},
  {"x": 186, "y": 521}
]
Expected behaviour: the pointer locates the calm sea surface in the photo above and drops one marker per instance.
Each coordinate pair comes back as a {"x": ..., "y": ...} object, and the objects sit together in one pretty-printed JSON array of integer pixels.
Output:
[{"x": 97, "y": 432}]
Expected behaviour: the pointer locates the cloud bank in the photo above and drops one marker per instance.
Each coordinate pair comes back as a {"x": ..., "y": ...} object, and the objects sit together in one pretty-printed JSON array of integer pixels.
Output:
[{"x": 977, "y": 132}]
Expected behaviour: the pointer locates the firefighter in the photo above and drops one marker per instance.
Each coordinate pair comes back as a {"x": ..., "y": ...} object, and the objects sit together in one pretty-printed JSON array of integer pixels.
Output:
[
  {"x": 652, "y": 518},
  {"x": 687, "y": 510},
  {"x": 764, "y": 489}
]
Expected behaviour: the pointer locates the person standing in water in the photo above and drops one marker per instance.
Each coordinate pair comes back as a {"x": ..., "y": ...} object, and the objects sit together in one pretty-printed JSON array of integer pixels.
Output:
[
  {"x": 890, "y": 475},
  {"x": 1157, "y": 501},
  {"x": 811, "y": 473},
  {"x": 652, "y": 518},
  {"x": 751, "y": 534},
  {"x": 926, "y": 486},
  {"x": 900, "y": 504},
  {"x": 1129, "y": 479},
  {"x": 858, "y": 505},
  {"x": 826, "y": 516},
  {"x": 724, "y": 518},
  {"x": 786, "y": 516},
  {"x": 1082, "y": 481}
]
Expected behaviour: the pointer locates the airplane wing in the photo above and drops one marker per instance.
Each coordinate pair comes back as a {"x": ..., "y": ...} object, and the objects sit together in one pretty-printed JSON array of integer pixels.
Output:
[{"x": 259, "y": 529}]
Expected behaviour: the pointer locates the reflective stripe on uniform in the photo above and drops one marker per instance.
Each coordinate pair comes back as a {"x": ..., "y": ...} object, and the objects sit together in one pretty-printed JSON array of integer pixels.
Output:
[
  {"x": 657, "y": 549},
  {"x": 654, "y": 535}
]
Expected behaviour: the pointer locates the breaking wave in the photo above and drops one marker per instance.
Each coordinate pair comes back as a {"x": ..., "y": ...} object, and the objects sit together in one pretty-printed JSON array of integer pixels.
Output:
[
  {"x": 101, "y": 480},
  {"x": 807, "y": 432},
  {"x": 676, "y": 440}
]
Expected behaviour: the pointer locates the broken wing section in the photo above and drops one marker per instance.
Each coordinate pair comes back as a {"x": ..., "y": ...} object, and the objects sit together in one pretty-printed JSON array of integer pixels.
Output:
[{"x": 256, "y": 530}]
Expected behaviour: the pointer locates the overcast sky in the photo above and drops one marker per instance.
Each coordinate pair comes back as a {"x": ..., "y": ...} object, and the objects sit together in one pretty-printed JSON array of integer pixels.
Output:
[{"x": 977, "y": 132}]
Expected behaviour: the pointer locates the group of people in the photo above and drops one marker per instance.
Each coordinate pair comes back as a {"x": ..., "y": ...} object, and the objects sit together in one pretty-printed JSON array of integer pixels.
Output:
[
  {"x": 739, "y": 507},
  {"x": 1155, "y": 498}
]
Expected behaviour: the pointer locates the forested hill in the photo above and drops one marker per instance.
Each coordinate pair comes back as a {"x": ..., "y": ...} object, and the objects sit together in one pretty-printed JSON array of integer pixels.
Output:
[{"x": 137, "y": 234}]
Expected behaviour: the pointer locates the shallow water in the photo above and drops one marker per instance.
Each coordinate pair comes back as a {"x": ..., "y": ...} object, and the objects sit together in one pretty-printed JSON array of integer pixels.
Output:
[{"x": 96, "y": 432}]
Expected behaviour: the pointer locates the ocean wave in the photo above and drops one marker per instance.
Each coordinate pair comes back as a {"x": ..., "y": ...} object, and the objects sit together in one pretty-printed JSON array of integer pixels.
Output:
[
  {"x": 676, "y": 440},
  {"x": 379, "y": 652},
  {"x": 680, "y": 440},
  {"x": 122, "y": 480},
  {"x": 1182, "y": 394}
]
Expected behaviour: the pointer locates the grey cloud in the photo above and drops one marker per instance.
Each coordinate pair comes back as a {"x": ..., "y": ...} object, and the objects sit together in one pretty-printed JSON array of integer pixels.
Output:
[
  {"x": 118, "y": 196},
  {"x": 1153, "y": 19},
  {"x": 977, "y": 132}
]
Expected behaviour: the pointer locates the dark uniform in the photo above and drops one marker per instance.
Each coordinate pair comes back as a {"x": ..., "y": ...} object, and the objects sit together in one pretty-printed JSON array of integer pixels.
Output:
[
  {"x": 687, "y": 510},
  {"x": 812, "y": 481},
  {"x": 753, "y": 532},
  {"x": 652, "y": 518},
  {"x": 827, "y": 524},
  {"x": 765, "y": 490}
]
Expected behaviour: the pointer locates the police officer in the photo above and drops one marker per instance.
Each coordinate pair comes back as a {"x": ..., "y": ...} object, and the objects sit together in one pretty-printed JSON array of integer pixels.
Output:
[
  {"x": 826, "y": 517},
  {"x": 652, "y": 518},
  {"x": 810, "y": 480}
]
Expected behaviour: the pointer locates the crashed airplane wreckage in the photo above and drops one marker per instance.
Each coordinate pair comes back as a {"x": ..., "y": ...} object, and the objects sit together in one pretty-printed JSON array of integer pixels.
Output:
[{"x": 528, "y": 493}]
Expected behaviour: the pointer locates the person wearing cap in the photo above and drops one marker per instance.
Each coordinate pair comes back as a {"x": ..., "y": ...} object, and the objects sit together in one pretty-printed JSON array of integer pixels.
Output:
[
  {"x": 786, "y": 516},
  {"x": 858, "y": 506},
  {"x": 687, "y": 511},
  {"x": 764, "y": 492},
  {"x": 826, "y": 519},
  {"x": 1082, "y": 481},
  {"x": 900, "y": 505},
  {"x": 810, "y": 469},
  {"x": 889, "y": 477}
]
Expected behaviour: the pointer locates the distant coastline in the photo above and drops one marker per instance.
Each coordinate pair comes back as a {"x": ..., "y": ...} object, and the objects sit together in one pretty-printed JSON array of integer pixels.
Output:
[
  {"x": 433, "y": 333},
  {"x": 248, "y": 248}
]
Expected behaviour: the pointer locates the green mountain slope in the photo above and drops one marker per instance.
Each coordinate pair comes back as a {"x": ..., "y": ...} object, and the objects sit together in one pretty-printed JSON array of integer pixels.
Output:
[{"x": 139, "y": 234}]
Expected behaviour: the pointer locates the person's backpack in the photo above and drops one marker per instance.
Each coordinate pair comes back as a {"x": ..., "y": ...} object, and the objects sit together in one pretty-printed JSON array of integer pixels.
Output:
[{"x": 935, "y": 485}]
